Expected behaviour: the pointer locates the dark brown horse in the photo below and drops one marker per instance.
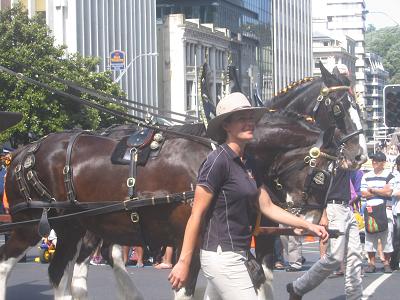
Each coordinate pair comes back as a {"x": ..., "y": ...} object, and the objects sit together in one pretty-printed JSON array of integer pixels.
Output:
[
  {"x": 328, "y": 101},
  {"x": 97, "y": 179}
]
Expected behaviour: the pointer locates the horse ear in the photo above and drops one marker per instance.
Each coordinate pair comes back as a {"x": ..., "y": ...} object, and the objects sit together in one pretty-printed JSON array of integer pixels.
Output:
[
  {"x": 336, "y": 71},
  {"x": 328, "y": 78}
]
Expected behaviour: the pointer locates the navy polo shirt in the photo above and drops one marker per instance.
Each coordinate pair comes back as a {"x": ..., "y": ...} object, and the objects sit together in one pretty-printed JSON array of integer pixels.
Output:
[{"x": 228, "y": 220}]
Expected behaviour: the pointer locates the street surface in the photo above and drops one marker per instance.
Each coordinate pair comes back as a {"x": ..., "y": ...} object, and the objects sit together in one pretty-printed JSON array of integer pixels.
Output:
[{"x": 29, "y": 281}]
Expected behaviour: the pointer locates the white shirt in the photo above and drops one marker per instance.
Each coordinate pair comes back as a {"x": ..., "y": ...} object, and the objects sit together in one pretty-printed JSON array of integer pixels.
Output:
[
  {"x": 396, "y": 189},
  {"x": 371, "y": 180}
]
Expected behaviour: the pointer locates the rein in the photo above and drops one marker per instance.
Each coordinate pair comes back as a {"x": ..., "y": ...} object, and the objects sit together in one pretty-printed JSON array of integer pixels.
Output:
[
  {"x": 97, "y": 208},
  {"x": 127, "y": 117}
]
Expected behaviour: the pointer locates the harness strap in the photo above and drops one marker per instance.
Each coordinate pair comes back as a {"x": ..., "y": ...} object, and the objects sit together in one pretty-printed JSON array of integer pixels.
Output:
[
  {"x": 67, "y": 171},
  {"x": 132, "y": 173},
  {"x": 22, "y": 185},
  {"x": 96, "y": 208},
  {"x": 39, "y": 187}
]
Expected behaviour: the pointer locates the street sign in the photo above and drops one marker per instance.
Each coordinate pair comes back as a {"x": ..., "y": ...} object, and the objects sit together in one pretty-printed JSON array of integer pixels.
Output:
[
  {"x": 117, "y": 60},
  {"x": 391, "y": 99}
]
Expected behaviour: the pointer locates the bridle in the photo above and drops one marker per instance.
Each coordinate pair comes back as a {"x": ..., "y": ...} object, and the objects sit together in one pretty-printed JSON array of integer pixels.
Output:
[
  {"x": 335, "y": 107},
  {"x": 318, "y": 180}
]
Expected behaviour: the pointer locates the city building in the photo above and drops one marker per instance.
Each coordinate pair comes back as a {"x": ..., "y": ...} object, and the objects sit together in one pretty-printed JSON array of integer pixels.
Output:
[
  {"x": 33, "y": 6},
  {"x": 345, "y": 17},
  {"x": 184, "y": 45},
  {"x": 249, "y": 23},
  {"x": 334, "y": 52},
  {"x": 375, "y": 80},
  {"x": 292, "y": 41},
  {"x": 98, "y": 28}
]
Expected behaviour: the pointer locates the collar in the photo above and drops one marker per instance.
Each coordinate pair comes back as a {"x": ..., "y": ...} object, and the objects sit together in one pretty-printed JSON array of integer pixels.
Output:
[
  {"x": 230, "y": 152},
  {"x": 232, "y": 155}
]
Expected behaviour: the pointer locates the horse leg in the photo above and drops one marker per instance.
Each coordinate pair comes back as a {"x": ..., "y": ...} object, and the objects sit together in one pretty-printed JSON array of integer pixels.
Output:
[
  {"x": 69, "y": 240},
  {"x": 79, "y": 278},
  {"x": 12, "y": 251},
  {"x": 264, "y": 253},
  {"x": 125, "y": 286}
]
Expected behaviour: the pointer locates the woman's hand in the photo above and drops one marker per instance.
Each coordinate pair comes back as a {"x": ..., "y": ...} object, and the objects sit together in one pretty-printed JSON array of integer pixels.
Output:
[
  {"x": 324, "y": 219},
  {"x": 320, "y": 231},
  {"x": 179, "y": 275}
]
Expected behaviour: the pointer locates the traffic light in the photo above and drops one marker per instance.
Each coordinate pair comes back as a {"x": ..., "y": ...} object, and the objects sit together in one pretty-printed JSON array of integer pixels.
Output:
[{"x": 391, "y": 99}]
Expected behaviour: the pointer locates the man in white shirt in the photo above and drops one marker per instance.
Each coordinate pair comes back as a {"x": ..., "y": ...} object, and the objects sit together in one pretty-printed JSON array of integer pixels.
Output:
[{"x": 377, "y": 187}]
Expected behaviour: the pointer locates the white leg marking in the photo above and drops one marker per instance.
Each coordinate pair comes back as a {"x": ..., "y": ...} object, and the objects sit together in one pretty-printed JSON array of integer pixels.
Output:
[
  {"x": 79, "y": 281},
  {"x": 5, "y": 269},
  {"x": 63, "y": 291},
  {"x": 125, "y": 286},
  {"x": 180, "y": 295},
  {"x": 266, "y": 290}
]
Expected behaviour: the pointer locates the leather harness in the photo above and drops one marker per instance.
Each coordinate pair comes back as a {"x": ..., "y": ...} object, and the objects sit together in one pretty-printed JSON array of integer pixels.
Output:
[{"x": 26, "y": 174}]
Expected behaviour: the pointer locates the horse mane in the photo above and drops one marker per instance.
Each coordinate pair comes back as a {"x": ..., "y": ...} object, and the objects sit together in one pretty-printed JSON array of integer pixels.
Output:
[
  {"x": 196, "y": 129},
  {"x": 295, "y": 88}
]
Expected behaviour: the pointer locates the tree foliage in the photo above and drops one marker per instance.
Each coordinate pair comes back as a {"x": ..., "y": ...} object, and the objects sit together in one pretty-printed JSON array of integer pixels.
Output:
[
  {"x": 26, "y": 42},
  {"x": 386, "y": 43}
]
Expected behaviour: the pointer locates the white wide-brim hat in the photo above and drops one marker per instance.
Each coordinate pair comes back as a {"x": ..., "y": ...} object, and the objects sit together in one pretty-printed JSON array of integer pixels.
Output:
[
  {"x": 229, "y": 105},
  {"x": 9, "y": 119}
]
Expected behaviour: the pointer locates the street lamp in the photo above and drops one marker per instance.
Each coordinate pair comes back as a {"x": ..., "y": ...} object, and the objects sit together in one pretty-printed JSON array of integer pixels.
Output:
[
  {"x": 133, "y": 60},
  {"x": 383, "y": 13}
]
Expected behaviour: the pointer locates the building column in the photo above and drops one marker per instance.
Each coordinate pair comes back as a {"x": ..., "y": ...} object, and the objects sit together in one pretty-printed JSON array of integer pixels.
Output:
[
  {"x": 31, "y": 8},
  {"x": 214, "y": 73}
]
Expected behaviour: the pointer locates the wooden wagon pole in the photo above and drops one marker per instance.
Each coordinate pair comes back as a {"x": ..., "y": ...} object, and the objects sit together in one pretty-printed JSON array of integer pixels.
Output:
[{"x": 333, "y": 233}]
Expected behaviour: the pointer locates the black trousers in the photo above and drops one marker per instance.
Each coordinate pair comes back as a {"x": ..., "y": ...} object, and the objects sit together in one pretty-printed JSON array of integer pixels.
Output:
[{"x": 394, "y": 261}]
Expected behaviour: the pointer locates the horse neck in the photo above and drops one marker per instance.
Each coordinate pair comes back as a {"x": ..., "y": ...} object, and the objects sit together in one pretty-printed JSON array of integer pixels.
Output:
[
  {"x": 277, "y": 140},
  {"x": 299, "y": 100}
]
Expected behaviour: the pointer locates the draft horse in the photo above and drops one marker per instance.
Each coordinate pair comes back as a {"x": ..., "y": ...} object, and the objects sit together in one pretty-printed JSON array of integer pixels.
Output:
[
  {"x": 95, "y": 179},
  {"x": 325, "y": 101}
]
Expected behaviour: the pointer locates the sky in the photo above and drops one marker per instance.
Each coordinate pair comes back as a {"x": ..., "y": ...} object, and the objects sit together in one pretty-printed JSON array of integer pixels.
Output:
[
  {"x": 381, "y": 12},
  {"x": 388, "y": 10}
]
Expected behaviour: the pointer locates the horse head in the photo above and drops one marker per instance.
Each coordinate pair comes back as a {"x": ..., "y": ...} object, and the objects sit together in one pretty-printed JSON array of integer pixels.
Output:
[
  {"x": 342, "y": 108},
  {"x": 300, "y": 178},
  {"x": 296, "y": 159},
  {"x": 328, "y": 101}
]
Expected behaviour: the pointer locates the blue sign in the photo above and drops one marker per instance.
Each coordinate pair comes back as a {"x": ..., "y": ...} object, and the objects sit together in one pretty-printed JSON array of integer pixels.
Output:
[{"x": 117, "y": 60}]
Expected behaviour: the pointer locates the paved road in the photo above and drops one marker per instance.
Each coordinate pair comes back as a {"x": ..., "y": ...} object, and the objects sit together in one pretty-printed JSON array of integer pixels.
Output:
[{"x": 29, "y": 281}]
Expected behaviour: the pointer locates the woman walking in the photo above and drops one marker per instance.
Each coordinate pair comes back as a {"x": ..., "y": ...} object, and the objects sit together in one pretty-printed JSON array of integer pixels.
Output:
[{"x": 225, "y": 193}]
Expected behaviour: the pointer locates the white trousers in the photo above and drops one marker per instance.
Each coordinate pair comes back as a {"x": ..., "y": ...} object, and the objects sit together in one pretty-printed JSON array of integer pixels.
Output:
[
  {"x": 227, "y": 276},
  {"x": 292, "y": 248},
  {"x": 345, "y": 248}
]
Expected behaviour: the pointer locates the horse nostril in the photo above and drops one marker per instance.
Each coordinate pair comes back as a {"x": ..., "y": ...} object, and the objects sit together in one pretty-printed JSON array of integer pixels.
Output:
[{"x": 358, "y": 157}]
